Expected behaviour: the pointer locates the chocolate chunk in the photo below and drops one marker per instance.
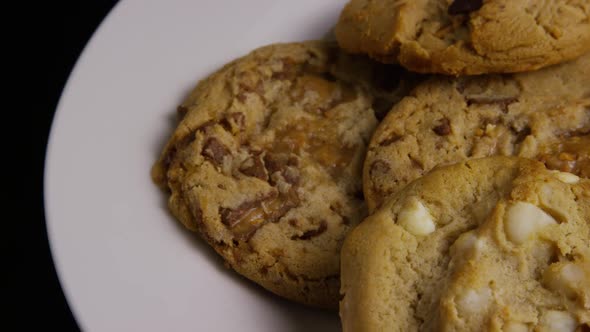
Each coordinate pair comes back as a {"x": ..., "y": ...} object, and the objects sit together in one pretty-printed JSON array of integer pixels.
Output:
[
  {"x": 215, "y": 151},
  {"x": 184, "y": 142},
  {"x": 247, "y": 218},
  {"x": 289, "y": 70},
  {"x": 337, "y": 208},
  {"x": 521, "y": 134},
  {"x": 272, "y": 163},
  {"x": 179, "y": 145},
  {"x": 181, "y": 111},
  {"x": 232, "y": 217},
  {"x": 254, "y": 167},
  {"x": 293, "y": 161},
  {"x": 234, "y": 122},
  {"x": 287, "y": 202},
  {"x": 312, "y": 233},
  {"x": 283, "y": 164},
  {"x": 390, "y": 140},
  {"x": 281, "y": 76},
  {"x": 275, "y": 162},
  {"x": 241, "y": 97},
  {"x": 247, "y": 86},
  {"x": 464, "y": 6},
  {"x": 379, "y": 166},
  {"x": 503, "y": 103},
  {"x": 198, "y": 215},
  {"x": 580, "y": 132},
  {"x": 291, "y": 175},
  {"x": 444, "y": 128}
]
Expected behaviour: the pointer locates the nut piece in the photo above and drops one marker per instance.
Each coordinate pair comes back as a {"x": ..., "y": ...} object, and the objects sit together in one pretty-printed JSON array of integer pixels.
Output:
[
  {"x": 525, "y": 219},
  {"x": 566, "y": 177},
  {"x": 415, "y": 218},
  {"x": 557, "y": 321},
  {"x": 565, "y": 278},
  {"x": 474, "y": 301},
  {"x": 515, "y": 327}
]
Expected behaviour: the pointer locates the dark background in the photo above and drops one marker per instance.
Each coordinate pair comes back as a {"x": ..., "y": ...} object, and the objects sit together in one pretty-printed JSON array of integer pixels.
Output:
[{"x": 56, "y": 34}]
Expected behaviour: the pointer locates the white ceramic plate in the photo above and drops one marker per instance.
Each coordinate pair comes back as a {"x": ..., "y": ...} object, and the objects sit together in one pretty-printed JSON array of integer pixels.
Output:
[{"x": 124, "y": 263}]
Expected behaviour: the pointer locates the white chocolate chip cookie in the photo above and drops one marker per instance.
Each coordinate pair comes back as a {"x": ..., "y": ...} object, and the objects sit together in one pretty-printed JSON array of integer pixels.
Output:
[{"x": 492, "y": 244}]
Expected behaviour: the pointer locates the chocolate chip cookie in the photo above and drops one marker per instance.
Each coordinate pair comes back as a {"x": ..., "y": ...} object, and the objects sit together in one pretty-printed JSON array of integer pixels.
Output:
[
  {"x": 467, "y": 36},
  {"x": 544, "y": 115},
  {"x": 493, "y": 244},
  {"x": 266, "y": 163}
]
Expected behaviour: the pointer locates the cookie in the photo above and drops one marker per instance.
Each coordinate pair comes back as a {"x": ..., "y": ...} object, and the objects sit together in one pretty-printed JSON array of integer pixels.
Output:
[
  {"x": 266, "y": 163},
  {"x": 543, "y": 115},
  {"x": 467, "y": 36},
  {"x": 492, "y": 244}
]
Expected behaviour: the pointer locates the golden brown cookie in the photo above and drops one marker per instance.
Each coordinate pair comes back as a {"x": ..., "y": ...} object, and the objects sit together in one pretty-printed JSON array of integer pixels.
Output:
[
  {"x": 543, "y": 115},
  {"x": 492, "y": 244},
  {"x": 266, "y": 163},
  {"x": 467, "y": 36}
]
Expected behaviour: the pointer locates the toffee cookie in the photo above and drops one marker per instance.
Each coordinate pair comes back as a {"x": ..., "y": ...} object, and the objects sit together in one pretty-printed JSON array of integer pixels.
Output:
[
  {"x": 492, "y": 244},
  {"x": 466, "y": 36},
  {"x": 543, "y": 115},
  {"x": 266, "y": 164}
]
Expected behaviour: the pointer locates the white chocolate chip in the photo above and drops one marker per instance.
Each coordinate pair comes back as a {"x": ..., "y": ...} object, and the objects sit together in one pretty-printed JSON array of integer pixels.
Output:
[
  {"x": 567, "y": 177},
  {"x": 415, "y": 218},
  {"x": 525, "y": 219},
  {"x": 557, "y": 321},
  {"x": 474, "y": 301},
  {"x": 515, "y": 327},
  {"x": 468, "y": 241},
  {"x": 572, "y": 273},
  {"x": 564, "y": 278}
]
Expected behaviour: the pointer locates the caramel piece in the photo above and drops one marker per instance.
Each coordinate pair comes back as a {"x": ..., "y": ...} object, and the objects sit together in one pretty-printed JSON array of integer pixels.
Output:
[
  {"x": 571, "y": 155},
  {"x": 315, "y": 138},
  {"x": 319, "y": 94}
]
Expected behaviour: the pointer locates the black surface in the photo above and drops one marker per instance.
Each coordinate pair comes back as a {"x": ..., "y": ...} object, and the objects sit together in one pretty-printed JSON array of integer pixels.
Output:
[{"x": 57, "y": 33}]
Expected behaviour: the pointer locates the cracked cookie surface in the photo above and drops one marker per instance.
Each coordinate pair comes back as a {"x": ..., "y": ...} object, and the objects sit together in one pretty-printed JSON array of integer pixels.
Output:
[
  {"x": 466, "y": 36},
  {"x": 492, "y": 244},
  {"x": 543, "y": 115},
  {"x": 266, "y": 163}
]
